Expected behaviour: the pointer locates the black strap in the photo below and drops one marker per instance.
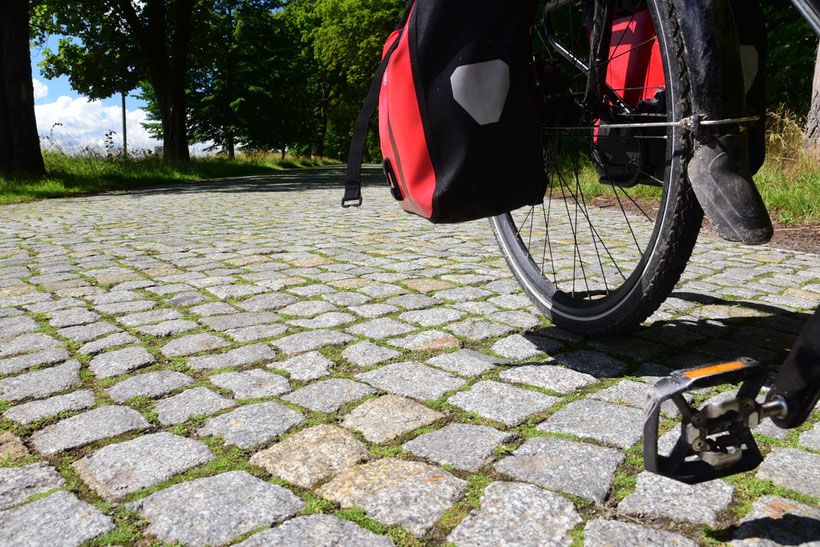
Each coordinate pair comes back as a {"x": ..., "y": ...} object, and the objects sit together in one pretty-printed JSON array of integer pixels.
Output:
[{"x": 353, "y": 181}]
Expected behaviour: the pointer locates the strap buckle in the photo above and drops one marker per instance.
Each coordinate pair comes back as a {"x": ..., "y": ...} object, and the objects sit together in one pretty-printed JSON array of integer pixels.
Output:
[{"x": 353, "y": 194}]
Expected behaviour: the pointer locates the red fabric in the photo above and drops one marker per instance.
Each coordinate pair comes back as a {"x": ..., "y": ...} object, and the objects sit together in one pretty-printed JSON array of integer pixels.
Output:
[
  {"x": 635, "y": 74},
  {"x": 401, "y": 132}
]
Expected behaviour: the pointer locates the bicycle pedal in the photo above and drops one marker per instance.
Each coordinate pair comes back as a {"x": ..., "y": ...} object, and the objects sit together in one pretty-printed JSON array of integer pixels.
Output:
[{"x": 715, "y": 441}]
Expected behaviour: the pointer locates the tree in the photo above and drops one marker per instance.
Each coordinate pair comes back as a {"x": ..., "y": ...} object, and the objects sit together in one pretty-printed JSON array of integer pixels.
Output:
[
  {"x": 116, "y": 44},
  {"x": 813, "y": 126},
  {"x": 348, "y": 42},
  {"x": 19, "y": 142},
  {"x": 792, "y": 48}
]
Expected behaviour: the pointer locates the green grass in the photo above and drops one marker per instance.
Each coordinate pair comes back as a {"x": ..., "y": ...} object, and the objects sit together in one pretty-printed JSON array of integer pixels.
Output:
[
  {"x": 791, "y": 192},
  {"x": 790, "y": 188},
  {"x": 93, "y": 173}
]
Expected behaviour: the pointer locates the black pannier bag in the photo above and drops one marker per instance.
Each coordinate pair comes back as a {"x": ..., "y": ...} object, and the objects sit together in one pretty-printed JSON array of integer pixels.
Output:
[{"x": 458, "y": 122}]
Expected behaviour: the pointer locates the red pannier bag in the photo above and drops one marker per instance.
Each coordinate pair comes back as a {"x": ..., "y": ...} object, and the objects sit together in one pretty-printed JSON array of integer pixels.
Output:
[{"x": 458, "y": 121}]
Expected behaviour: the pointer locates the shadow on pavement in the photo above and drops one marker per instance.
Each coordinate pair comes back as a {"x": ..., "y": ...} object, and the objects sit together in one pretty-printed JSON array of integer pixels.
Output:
[
  {"x": 293, "y": 180},
  {"x": 761, "y": 331}
]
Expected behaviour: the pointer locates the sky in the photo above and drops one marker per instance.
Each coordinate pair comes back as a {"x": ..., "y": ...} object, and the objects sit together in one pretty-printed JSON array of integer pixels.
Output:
[{"x": 84, "y": 122}]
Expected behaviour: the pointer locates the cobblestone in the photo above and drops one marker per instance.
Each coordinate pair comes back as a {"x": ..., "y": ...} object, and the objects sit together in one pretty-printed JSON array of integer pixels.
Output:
[
  {"x": 467, "y": 362},
  {"x": 40, "y": 383},
  {"x": 307, "y": 341},
  {"x": 367, "y": 354},
  {"x": 38, "y": 410},
  {"x": 198, "y": 401},
  {"x": 412, "y": 380},
  {"x": 792, "y": 468},
  {"x": 308, "y": 366},
  {"x": 151, "y": 385},
  {"x": 312, "y": 455},
  {"x": 478, "y": 329},
  {"x": 191, "y": 344},
  {"x": 412, "y": 495},
  {"x": 87, "y": 333},
  {"x": 234, "y": 358},
  {"x": 548, "y": 376},
  {"x": 114, "y": 363},
  {"x": 270, "y": 292},
  {"x": 117, "y": 470},
  {"x": 215, "y": 510},
  {"x": 466, "y": 447},
  {"x": 317, "y": 530},
  {"x": 382, "y": 420},
  {"x": 252, "y": 384},
  {"x": 581, "y": 469},
  {"x": 596, "y": 364},
  {"x": 58, "y": 520},
  {"x": 429, "y": 340},
  {"x": 23, "y": 362},
  {"x": 775, "y": 521},
  {"x": 520, "y": 347},
  {"x": 329, "y": 395},
  {"x": 17, "y": 484},
  {"x": 657, "y": 496},
  {"x": 251, "y": 425},
  {"x": 605, "y": 533},
  {"x": 613, "y": 424},
  {"x": 94, "y": 425},
  {"x": 502, "y": 402},
  {"x": 517, "y": 514},
  {"x": 115, "y": 340}
]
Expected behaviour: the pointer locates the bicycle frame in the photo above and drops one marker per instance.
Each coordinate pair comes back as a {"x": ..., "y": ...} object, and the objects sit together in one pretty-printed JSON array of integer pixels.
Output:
[{"x": 810, "y": 10}]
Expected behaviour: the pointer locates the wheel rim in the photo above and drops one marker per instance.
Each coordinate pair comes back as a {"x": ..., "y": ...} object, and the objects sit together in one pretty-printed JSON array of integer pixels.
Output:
[{"x": 581, "y": 261}]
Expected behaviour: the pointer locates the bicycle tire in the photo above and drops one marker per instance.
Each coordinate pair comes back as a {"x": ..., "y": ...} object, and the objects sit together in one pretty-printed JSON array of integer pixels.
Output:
[{"x": 667, "y": 250}]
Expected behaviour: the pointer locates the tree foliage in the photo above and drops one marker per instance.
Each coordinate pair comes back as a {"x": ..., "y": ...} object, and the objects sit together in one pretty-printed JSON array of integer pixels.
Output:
[
  {"x": 281, "y": 74},
  {"x": 792, "y": 48},
  {"x": 112, "y": 45}
]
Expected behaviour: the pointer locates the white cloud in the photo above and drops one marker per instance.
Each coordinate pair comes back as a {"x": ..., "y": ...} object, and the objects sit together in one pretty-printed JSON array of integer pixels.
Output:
[
  {"x": 74, "y": 124},
  {"x": 40, "y": 89}
]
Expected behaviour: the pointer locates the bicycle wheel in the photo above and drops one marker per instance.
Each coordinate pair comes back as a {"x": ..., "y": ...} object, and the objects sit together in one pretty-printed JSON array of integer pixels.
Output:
[{"x": 619, "y": 220}]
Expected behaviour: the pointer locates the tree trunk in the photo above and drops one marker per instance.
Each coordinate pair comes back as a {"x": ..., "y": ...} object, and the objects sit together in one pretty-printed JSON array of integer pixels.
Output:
[
  {"x": 813, "y": 126},
  {"x": 230, "y": 145},
  {"x": 322, "y": 128},
  {"x": 19, "y": 142},
  {"x": 175, "y": 132},
  {"x": 167, "y": 69}
]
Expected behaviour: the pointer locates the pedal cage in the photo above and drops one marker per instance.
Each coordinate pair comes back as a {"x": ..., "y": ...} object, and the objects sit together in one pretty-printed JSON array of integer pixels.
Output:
[{"x": 715, "y": 441}]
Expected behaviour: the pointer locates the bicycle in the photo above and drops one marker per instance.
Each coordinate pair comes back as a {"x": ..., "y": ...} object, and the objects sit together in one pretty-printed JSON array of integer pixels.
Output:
[
  {"x": 687, "y": 133},
  {"x": 684, "y": 132}
]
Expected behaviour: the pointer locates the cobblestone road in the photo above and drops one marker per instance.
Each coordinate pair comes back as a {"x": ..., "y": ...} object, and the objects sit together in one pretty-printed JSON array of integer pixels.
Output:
[{"x": 245, "y": 361}]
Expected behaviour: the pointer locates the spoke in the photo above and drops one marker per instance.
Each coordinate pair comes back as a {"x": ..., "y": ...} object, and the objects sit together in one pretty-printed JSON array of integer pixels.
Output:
[
  {"x": 629, "y": 224},
  {"x": 532, "y": 222},
  {"x": 576, "y": 250},
  {"x": 526, "y": 218},
  {"x": 635, "y": 203},
  {"x": 642, "y": 172},
  {"x": 603, "y": 244},
  {"x": 575, "y": 231},
  {"x": 589, "y": 222},
  {"x": 549, "y": 243},
  {"x": 627, "y": 52}
]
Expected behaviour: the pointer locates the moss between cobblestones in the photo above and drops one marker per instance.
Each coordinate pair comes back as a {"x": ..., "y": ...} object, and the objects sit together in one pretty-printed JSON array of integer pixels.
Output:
[
  {"x": 471, "y": 501},
  {"x": 317, "y": 504},
  {"x": 401, "y": 537},
  {"x": 748, "y": 488},
  {"x": 228, "y": 458},
  {"x": 246, "y": 535}
]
